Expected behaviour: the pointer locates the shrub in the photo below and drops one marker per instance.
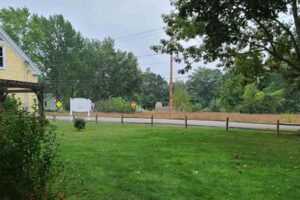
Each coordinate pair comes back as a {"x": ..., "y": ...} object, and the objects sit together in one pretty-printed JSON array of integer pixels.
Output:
[
  {"x": 10, "y": 103},
  {"x": 28, "y": 148},
  {"x": 267, "y": 101},
  {"x": 79, "y": 124},
  {"x": 192, "y": 107},
  {"x": 215, "y": 105},
  {"x": 114, "y": 104}
]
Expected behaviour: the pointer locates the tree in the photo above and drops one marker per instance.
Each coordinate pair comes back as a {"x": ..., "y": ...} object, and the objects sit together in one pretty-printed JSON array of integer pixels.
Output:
[
  {"x": 71, "y": 64},
  {"x": 62, "y": 54},
  {"x": 231, "y": 91},
  {"x": 282, "y": 93},
  {"x": 251, "y": 68},
  {"x": 181, "y": 97},
  {"x": 109, "y": 72},
  {"x": 53, "y": 43},
  {"x": 230, "y": 28},
  {"x": 292, "y": 98},
  {"x": 203, "y": 86},
  {"x": 258, "y": 101},
  {"x": 251, "y": 99},
  {"x": 15, "y": 23},
  {"x": 154, "y": 88}
]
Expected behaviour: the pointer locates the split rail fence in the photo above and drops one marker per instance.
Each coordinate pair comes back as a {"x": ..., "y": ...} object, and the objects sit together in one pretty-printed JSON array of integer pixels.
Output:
[{"x": 185, "y": 122}]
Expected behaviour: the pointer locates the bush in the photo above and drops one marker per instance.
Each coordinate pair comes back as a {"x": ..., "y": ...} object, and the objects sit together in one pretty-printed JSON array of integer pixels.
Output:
[
  {"x": 10, "y": 103},
  {"x": 193, "y": 107},
  {"x": 28, "y": 148},
  {"x": 79, "y": 124},
  {"x": 256, "y": 101},
  {"x": 114, "y": 104},
  {"x": 215, "y": 105}
]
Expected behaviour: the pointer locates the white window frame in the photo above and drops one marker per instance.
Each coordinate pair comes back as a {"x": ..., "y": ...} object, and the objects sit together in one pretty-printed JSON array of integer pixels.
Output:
[{"x": 3, "y": 55}]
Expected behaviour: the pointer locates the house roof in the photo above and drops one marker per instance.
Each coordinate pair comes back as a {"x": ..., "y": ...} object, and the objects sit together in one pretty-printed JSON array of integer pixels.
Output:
[{"x": 31, "y": 65}]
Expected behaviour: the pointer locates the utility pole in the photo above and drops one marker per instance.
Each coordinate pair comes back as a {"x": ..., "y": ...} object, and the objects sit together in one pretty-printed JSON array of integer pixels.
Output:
[{"x": 171, "y": 86}]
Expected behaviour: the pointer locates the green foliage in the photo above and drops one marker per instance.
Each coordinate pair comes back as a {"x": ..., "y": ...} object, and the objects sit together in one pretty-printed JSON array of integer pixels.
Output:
[
  {"x": 15, "y": 21},
  {"x": 215, "y": 105},
  {"x": 231, "y": 91},
  {"x": 108, "y": 72},
  {"x": 291, "y": 96},
  {"x": 273, "y": 102},
  {"x": 73, "y": 65},
  {"x": 256, "y": 101},
  {"x": 203, "y": 85},
  {"x": 61, "y": 54},
  {"x": 181, "y": 97},
  {"x": 250, "y": 66},
  {"x": 250, "y": 26},
  {"x": 154, "y": 88},
  {"x": 28, "y": 150},
  {"x": 194, "y": 107},
  {"x": 251, "y": 99},
  {"x": 10, "y": 103},
  {"x": 114, "y": 104},
  {"x": 79, "y": 124}
]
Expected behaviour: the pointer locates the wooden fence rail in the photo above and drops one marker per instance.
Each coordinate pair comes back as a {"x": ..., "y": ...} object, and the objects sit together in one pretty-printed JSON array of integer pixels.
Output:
[{"x": 277, "y": 124}]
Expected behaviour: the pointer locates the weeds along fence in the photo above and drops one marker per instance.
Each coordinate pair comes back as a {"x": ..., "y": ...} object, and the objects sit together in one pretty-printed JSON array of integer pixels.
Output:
[{"x": 277, "y": 126}]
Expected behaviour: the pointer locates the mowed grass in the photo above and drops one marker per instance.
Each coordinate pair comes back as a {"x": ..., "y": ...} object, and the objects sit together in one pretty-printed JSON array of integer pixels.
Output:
[{"x": 114, "y": 161}]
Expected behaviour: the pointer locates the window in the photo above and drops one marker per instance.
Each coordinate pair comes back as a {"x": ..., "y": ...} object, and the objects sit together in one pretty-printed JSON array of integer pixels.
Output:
[{"x": 1, "y": 57}]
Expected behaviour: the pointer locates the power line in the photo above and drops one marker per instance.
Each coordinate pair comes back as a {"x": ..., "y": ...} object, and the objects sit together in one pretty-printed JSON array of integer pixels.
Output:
[
  {"x": 88, "y": 81},
  {"x": 139, "y": 33},
  {"x": 83, "y": 63},
  {"x": 156, "y": 63},
  {"x": 133, "y": 36},
  {"x": 138, "y": 37},
  {"x": 149, "y": 55}
]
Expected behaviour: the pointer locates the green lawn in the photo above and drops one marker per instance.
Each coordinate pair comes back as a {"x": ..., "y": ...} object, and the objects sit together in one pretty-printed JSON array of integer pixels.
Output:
[{"x": 113, "y": 161}]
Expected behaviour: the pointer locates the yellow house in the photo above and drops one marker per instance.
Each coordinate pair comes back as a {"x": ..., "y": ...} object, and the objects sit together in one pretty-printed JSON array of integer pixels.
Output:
[{"x": 16, "y": 65}]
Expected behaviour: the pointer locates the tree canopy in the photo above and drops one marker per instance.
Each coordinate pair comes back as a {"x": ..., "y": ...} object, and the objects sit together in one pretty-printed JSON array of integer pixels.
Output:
[
  {"x": 154, "y": 88},
  {"x": 181, "y": 96},
  {"x": 222, "y": 30},
  {"x": 73, "y": 65},
  {"x": 203, "y": 85}
]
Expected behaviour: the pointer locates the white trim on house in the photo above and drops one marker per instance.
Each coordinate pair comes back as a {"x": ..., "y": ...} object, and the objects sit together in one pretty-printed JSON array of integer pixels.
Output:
[{"x": 31, "y": 65}]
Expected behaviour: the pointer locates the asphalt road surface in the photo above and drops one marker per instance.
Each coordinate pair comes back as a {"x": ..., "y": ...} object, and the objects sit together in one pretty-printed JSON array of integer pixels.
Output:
[{"x": 182, "y": 122}]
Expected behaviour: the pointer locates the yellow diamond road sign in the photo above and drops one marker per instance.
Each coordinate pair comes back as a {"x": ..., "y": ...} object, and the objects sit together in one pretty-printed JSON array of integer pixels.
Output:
[
  {"x": 59, "y": 104},
  {"x": 133, "y": 104}
]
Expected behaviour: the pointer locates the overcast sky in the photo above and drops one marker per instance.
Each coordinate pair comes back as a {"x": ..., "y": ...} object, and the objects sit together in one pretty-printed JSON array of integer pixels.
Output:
[{"x": 114, "y": 18}]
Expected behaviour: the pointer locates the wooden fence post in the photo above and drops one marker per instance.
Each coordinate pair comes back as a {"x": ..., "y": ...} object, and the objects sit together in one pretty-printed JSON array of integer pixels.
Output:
[
  {"x": 122, "y": 121},
  {"x": 277, "y": 128},
  {"x": 151, "y": 120},
  {"x": 54, "y": 117},
  {"x": 186, "y": 124},
  {"x": 96, "y": 118},
  {"x": 227, "y": 124}
]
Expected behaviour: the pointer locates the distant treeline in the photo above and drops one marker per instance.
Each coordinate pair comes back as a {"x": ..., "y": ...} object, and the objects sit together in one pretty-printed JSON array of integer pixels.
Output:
[{"x": 212, "y": 90}]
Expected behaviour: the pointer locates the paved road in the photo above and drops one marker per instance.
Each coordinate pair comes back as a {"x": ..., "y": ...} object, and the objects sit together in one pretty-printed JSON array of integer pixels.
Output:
[{"x": 182, "y": 122}]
